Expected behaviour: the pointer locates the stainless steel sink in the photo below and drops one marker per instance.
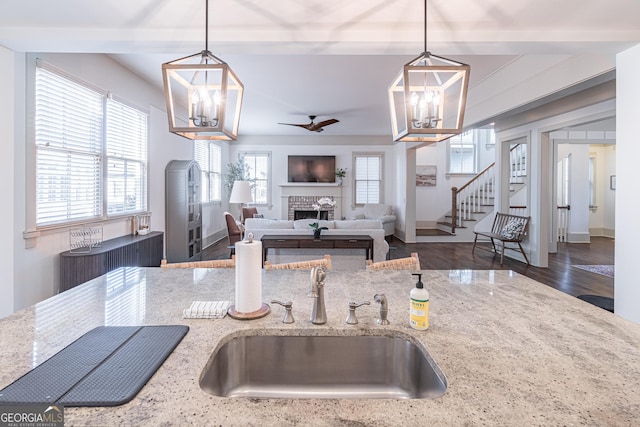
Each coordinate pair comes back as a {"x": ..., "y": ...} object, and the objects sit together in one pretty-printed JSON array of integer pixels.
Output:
[{"x": 323, "y": 367}]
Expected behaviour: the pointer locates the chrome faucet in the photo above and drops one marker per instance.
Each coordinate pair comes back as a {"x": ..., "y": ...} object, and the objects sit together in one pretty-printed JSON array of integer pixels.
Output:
[
  {"x": 384, "y": 309},
  {"x": 316, "y": 291}
]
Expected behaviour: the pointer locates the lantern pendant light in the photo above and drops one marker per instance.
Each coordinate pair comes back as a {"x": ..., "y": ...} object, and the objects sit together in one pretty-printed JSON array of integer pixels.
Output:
[
  {"x": 203, "y": 95},
  {"x": 427, "y": 99}
]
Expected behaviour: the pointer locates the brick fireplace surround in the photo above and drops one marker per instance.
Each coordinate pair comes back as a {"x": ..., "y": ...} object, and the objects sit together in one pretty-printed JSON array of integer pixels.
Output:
[{"x": 302, "y": 197}]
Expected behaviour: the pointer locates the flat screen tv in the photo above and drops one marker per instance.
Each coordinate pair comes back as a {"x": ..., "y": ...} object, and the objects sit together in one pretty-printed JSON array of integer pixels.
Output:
[{"x": 312, "y": 169}]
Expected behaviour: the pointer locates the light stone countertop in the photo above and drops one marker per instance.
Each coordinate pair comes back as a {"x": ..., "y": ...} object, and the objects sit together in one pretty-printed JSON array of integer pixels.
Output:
[{"x": 514, "y": 351}]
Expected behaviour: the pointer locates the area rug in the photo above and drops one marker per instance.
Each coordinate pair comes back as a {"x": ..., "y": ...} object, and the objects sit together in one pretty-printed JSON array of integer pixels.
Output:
[{"x": 605, "y": 270}]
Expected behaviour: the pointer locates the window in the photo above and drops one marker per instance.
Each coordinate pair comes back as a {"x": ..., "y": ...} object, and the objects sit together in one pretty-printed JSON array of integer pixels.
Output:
[
  {"x": 368, "y": 178},
  {"x": 79, "y": 133},
  {"x": 259, "y": 171},
  {"x": 209, "y": 157},
  {"x": 126, "y": 153},
  {"x": 462, "y": 153}
]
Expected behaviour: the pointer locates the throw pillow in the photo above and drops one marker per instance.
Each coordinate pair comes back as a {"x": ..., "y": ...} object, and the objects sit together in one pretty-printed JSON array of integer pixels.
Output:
[
  {"x": 358, "y": 216},
  {"x": 512, "y": 229}
]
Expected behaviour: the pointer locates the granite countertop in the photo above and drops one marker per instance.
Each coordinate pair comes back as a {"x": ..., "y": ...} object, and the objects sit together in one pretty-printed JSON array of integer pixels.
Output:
[{"x": 514, "y": 351}]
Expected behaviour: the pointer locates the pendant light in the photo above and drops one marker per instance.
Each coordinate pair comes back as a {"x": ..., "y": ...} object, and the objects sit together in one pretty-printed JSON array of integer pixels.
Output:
[
  {"x": 427, "y": 99},
  {"x": 203, "y": 95}
]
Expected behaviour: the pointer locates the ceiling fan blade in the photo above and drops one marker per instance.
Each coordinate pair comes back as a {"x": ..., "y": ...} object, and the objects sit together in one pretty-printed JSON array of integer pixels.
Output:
[
  {"x": 295, "y": 124},
  {"x": 322, "y": 124}
]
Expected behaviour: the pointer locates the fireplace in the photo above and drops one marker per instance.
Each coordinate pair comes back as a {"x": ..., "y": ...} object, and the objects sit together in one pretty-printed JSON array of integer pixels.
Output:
[
  {"x": 303, "y": 197},
  {"x": 310, "y": 214}
]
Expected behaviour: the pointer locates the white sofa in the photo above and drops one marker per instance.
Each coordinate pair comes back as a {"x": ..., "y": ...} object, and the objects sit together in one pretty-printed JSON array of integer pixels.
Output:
[
  {"x": 262, "y": 226},
  {"x": 381, "y": 212}
]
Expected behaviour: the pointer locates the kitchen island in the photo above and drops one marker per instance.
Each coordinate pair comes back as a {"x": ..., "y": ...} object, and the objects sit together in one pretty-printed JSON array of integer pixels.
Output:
[{"x": 514, "y": 351}]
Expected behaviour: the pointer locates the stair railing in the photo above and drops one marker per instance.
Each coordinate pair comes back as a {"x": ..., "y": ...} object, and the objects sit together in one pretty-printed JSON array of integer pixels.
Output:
[{"x": 479, "y": 190}]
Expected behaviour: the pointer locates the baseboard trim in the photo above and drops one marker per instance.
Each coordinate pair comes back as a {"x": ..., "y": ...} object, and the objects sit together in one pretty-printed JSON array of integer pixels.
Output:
[{"x": 578, "y": 237}]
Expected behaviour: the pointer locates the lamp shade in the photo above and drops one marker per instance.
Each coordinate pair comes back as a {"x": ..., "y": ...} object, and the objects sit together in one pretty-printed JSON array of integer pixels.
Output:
[
  {"x": 427, "y": 99},
  {"x": 241, "y": 192}
]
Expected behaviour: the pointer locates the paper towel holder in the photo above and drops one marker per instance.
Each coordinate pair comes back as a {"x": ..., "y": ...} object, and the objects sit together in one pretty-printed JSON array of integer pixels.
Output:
[{"x": 261, "y": 312}]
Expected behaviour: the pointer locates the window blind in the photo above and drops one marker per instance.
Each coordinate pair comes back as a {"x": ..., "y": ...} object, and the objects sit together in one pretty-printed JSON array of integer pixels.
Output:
[
  {"x": 79, "y": 133},
  {"x": 68, "y": 138},
  {"x": 126, "y": 149},
  {"x": 368, "y": 179},
  {"x": 209, "y": 157}
]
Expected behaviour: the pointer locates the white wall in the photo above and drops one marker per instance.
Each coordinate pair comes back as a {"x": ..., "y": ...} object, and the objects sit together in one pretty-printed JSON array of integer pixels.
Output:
[
  {"x": 602, "y": 220},
  {"x": 342, "y": 147},
  {"x": 36, "y": 270},
  {"x": 8, "y": 63},
  {"x": 627, "y": 287}
]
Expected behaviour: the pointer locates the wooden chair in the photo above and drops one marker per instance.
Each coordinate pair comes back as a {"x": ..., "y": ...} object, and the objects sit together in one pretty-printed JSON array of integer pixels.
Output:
[
  {"x": 409, "y": 263},
  {"x": 214, "y": 263},
  {"x": 234, "y": 233},
  {"x": 300, "y": 265}
]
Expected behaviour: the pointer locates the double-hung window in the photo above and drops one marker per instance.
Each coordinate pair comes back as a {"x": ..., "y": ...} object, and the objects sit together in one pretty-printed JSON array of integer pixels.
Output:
[
  {"x": 209, "y": 157},
  {"x": 462, "y": 153},
  {"x": 368, "y": 177},
  {"x": 259, "y": 173},
  {"x": 90, "y": 151}
]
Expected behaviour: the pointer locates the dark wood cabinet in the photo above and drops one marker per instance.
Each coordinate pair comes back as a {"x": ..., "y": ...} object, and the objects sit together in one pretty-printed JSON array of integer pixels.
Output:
[{"x": 125, "y": 251}]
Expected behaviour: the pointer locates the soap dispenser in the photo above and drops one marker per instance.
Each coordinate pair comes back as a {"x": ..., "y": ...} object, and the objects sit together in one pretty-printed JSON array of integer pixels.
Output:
[{"x": 419, "y": 309}]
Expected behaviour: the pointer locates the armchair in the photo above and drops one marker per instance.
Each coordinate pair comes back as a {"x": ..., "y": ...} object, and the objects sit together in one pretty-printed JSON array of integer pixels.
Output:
[
  {"x": 234, "y": 232},
  {"x": 381, "y": 212},
  {"x": 249, "y": 213}
]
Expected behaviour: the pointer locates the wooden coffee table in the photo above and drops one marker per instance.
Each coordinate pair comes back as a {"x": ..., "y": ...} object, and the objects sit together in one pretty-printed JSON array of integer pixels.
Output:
[{"x": 306, "y": 241}]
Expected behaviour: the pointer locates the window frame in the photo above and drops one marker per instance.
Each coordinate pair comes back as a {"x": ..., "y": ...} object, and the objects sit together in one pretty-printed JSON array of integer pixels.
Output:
[
  {"x": 33, "y": 229},
  {"x": 354, "y": 156},
  {"x": 474, "y": 146},
  {"x": 205, "y": 171},
  {"x": 243, "y": 155}
]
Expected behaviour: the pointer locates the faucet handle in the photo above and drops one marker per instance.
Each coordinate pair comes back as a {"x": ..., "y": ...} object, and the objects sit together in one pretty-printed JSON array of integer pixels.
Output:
[
  {"x": 288, "y": 315},
  {"x": 351, "y": 318}
]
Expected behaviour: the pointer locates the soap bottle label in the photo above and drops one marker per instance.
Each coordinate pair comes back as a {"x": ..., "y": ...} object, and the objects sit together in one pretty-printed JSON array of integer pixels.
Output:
[{"x": 419, "y": 314}]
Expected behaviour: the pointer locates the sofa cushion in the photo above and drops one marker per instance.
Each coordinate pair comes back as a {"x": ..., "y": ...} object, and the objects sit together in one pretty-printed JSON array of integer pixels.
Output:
[
  {"x": 359, "y": 224},
  {"x": 260, "y": 223},
  {"x": 303, "y": 224},
  {"x": 376, "y": 210}
]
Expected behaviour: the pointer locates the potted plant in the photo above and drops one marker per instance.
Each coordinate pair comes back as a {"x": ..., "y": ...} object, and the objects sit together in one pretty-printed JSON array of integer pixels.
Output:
[
  {"x": 317, "y": 229},
  {"x": 238, "y": 171},
  {"x": 340, "y": 174}
]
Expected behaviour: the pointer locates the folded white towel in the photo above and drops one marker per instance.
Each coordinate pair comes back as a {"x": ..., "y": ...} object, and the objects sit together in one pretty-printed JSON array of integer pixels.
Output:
[{"x": 206, "y": 310}]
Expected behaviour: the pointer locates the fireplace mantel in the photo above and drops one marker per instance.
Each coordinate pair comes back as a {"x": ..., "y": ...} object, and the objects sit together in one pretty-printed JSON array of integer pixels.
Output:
[{"x": 311, "y": 190}]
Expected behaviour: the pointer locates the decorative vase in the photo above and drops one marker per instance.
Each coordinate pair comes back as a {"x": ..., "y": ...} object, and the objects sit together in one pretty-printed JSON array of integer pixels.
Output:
[
  {"x": 316, "y": 233},
  {"x": 339, "y": 180}
]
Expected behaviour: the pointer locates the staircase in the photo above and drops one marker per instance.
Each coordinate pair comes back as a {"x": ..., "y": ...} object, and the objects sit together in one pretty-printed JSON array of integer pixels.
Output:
[{"x": 475, "y": 200}]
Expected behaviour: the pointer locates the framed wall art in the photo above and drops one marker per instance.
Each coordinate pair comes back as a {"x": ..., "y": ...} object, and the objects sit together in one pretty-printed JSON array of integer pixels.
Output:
[{"x": 426, "y": 175}]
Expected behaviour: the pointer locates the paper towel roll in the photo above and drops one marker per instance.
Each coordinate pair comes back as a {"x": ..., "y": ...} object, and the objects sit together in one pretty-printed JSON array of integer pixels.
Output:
[{"x": 248, "y": 276}]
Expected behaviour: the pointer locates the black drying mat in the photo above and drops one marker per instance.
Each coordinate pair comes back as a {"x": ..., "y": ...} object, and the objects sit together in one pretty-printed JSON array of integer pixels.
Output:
[{"x": 107, "y": 366}]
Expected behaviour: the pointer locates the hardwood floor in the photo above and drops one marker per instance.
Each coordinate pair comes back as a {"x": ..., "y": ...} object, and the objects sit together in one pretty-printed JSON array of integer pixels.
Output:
[{"x": 457, "y": 256}]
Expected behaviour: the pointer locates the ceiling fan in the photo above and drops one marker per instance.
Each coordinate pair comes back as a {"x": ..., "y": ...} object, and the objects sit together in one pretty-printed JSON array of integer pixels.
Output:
[{"x": 313, "y": 127}]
